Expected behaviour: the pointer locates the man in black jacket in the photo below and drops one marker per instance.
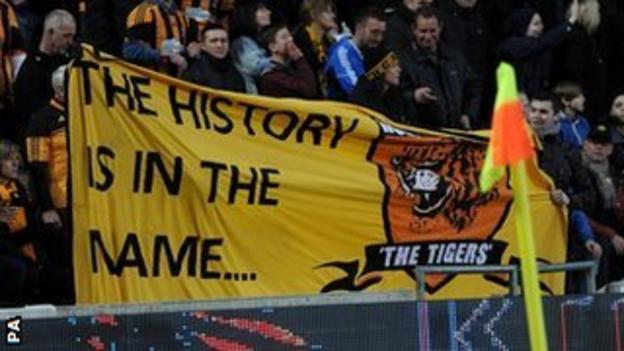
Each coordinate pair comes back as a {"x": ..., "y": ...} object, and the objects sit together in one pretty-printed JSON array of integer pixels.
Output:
[
  {"x": 32, "y": 86},
  {"x": 466, "y": 31},
  {"x": 438, "y": 79},
  {"x": 214, "y": 68},
  {"x": 398, "y": 33}
]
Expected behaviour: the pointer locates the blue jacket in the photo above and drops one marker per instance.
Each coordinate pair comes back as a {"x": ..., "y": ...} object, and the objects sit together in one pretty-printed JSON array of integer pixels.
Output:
[
  {"x": 574, "y": 131},
  {"x": 344, "y": 66}
]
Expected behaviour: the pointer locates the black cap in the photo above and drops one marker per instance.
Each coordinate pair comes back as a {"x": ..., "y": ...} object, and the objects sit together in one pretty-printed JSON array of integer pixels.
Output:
[{"x": 600, "y": 134}]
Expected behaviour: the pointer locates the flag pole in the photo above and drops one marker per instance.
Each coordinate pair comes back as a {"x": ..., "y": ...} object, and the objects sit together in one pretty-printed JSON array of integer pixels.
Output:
[{"x": 530, "y": 278}]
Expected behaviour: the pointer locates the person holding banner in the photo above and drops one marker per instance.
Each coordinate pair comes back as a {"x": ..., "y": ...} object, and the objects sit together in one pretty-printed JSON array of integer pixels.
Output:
[
  {"x": 46, "y": 146},
  {"x": 572, "y": 182}
]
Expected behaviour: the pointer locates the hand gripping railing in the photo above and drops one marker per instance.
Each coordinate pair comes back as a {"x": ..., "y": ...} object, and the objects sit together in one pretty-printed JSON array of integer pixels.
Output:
[{"x": 589, "y": 267}]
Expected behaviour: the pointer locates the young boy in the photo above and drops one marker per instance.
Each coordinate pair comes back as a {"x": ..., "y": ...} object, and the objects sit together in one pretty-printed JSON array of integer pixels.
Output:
[
  {"x": 289, "y": 74},
  {"x": 574, "y": 127}
]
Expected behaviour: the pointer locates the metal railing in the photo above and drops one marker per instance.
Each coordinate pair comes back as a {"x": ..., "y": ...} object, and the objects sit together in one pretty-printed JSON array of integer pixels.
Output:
[
  {"x": 421, "y": 271},
  {"x": 589, "y": 267}
]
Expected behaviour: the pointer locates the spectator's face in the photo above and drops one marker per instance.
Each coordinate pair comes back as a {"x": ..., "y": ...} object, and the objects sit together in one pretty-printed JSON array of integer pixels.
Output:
[
  {"x": 372, "y": 32},
  {"x": 216, "y": 43},
  {"x": 541, "y": 114},
  {"x": 414, "y": 5},
  {"x": 263, "y": 17},
  {"x": 62, "y": 37},
  {"x": 598, "y": 152},
  {"x": 280, "y": 44},
  {"x": 9, "y": 168},
  {"x": 466, "y": 4},
  {"x": 392, "y": 75},
  {"x": 426, "y": 31},
  {"x": 577, "y": 104},
  {"x": 536, "y": 27},
  {"x": 327, "y": 19},
  {"x": 617, "y": 108}
]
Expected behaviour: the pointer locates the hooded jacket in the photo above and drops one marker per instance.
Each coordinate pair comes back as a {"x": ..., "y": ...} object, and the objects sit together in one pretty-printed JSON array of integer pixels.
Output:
[{"x": 531, "y": 57}]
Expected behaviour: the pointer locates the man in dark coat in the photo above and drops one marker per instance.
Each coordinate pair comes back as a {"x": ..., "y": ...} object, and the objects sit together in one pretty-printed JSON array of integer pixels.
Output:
[
  {"x": 398, "y": 33},
  {"x": 32, "y": 86},
  {"x": 214, "y": 67},
  {"x": 438, "y": 79}
]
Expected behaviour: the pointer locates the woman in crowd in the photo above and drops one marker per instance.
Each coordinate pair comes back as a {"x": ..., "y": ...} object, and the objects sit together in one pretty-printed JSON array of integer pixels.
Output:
[
  {"x": 378, "y": 88},
  {"x": 249, "y": 19},
  {"x": 579, "y": 60},
  {"x": 529, "y": 49}
]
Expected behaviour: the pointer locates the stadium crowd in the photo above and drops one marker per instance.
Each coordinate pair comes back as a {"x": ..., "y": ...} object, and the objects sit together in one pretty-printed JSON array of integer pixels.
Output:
[{"x": 426, "y": 63}]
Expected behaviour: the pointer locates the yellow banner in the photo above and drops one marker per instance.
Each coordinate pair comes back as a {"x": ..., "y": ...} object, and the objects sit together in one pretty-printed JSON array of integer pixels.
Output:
[{"x": 181, "y": 192}]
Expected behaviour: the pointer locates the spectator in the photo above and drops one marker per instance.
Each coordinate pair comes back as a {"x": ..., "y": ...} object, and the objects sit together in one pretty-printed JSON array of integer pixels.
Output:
[
  {"x": 574, "y": 127},
  {"x": 18, "y": 254},
  {"x": 250, "y": 58},
  {"x": 46, "y": 145},
  {"x": 315, "y": 35},
  {"x": 32, "y": 85},
  {"x": 615, "y": 122},
  {"x": 10, "y": 55},
  {"x": 573, "y": 187},
  {"x": 399, "y": 34},
  {"x": 106, "y": 23},
  {"x": 496, "y": 12},
  {"x": 466, "y": 31},
  {"x": 529, "y": 50},
  {"x": 214, "y": 68},
  {"x": 288, "y": 74},
  {"x": 155, "y": 37},
  {"x": 603, "y": 219},
  {"x": 346, "y": 63},
  {"x": 436, "y": 78},
  {"x": 378, "y": 88},
  {"x": 578, "y": 58}
]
